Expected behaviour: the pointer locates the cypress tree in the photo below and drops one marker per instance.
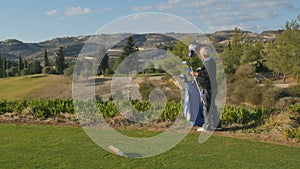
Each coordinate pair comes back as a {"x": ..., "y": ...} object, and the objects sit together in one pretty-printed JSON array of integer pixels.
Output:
[
  {"x": 104, "y": 60},
  {"x": 8, "y": 64},
  {"x": 46, "y": 60},
  {"x": 1, "y": 68},
  {"x": 20, "y": 65},
  {"x": 60, "y": 61},
  {"x": 25, "y": 64},
  {"x": 4, "y": 67}
]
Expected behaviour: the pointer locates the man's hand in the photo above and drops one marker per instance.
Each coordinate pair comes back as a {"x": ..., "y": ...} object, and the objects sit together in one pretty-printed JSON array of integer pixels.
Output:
[
  {"x": 194, "y": 73},
  {"x": 190, "y": 71}
]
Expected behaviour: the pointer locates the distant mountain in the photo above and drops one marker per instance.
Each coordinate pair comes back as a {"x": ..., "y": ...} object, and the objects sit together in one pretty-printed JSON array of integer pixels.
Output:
[{"x": 12, "y": 48}]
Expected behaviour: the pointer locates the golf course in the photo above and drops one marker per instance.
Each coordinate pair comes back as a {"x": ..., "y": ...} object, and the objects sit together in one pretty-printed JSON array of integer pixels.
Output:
[
  {"x": 163, "y": 84},
  {"x": 60, "y": 145}
]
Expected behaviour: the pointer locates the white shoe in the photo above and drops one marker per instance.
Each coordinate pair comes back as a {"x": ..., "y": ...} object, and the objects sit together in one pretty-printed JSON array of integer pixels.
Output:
[
  {"x": 201, "y": 129},
  {"x": 218, "y": 128}
]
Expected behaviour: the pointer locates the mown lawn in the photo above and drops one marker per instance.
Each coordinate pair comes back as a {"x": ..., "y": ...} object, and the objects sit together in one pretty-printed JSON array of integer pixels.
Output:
[
  {"x": 36, "y": 146},
  {"x": 35, "y": 86}
]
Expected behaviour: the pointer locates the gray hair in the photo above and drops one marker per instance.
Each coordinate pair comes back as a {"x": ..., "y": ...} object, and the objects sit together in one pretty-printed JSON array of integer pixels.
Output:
[{"x": 204, "y": 51}]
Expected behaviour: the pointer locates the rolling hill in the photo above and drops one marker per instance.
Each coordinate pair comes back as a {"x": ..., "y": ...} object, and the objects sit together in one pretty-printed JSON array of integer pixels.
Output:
[{"x": 12, "y": 48}]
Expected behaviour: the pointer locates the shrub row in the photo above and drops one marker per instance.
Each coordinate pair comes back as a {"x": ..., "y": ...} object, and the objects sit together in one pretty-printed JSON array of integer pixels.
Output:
[
  {"x": 39, "y": 108},
  {"x": 51, "y": 108},
  {"x": 134, "y": 109},
  {"x": 167, "y": 112},
  {"x": 241, "y": 115}
]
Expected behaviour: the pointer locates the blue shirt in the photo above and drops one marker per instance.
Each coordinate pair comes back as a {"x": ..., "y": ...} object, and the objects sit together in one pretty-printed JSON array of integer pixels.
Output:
[{"x": 207, "y": 59}]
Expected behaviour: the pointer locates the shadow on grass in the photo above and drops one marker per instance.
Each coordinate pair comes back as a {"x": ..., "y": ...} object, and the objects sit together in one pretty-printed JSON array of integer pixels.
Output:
[
  {"x": 99, "y": 81},
  {"x": 133, "y": 155}
]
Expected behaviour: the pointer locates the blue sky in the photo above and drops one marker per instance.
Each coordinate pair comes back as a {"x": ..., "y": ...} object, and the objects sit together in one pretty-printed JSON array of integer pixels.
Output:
[{"x": 36, "y": 20}]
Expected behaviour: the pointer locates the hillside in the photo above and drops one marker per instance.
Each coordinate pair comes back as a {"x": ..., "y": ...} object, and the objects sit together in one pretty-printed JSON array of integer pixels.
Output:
[{"x": 12, "y": 48}]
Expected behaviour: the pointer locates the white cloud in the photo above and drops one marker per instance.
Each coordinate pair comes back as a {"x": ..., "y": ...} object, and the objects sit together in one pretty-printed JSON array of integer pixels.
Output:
[
  {"x": 174, "y": 1},
  {"x": 266, "y": 4},
  {"x": 225, "y": 14},
  {"x": 51, "y": 12},
  {"x": 77, "y": 11},
  {"x": 141, "y": 8},
  {"x": 176, "y": 4}
]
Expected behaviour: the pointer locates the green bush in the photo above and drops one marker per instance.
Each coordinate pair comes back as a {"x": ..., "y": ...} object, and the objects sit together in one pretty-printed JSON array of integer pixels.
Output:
[
  {"x": 294, "y": 107},
  {"x": 40, "y": 108},
  {"x": 109, "y": 109},
  {"x": 6, "y": 106},
  {"x": 241, "y": 115}
]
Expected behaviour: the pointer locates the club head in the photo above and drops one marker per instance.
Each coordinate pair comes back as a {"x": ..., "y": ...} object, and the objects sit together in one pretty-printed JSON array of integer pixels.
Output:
[
  {"x": 191, "y": 53},
  {"x": 192, "y": 49}
]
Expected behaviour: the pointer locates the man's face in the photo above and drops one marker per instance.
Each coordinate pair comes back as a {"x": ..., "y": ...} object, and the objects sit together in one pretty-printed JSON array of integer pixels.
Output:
[{"x": 202, "y": 56}]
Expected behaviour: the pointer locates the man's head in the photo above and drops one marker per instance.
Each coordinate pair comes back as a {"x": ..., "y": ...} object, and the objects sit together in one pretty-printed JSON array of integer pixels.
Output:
[{"x": 204, "y": 53}]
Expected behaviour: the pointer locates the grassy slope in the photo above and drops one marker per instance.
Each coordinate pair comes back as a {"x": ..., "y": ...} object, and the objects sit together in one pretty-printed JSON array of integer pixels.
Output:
[
  {"x": 35, "y": 86},
  {"x": 24, "y": 146}
]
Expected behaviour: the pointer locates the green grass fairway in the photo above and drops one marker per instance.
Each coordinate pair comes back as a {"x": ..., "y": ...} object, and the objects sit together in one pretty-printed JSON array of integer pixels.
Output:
[
  {"x": 23, "y": 146},
  {"x": 35, "y": 86}
]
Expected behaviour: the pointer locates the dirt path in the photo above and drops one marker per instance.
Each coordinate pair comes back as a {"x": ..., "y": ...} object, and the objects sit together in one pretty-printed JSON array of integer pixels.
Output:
[
  {"x": 285, "y": 85},
  {"x": 267, "y": 137}
]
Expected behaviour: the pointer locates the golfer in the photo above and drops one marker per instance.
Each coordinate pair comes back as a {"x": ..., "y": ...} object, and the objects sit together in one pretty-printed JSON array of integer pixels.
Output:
[{"x": 206, "y": 77}]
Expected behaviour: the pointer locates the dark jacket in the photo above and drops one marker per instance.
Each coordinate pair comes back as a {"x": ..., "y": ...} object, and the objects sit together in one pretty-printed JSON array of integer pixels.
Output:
[{"x": 207, "y": 75}]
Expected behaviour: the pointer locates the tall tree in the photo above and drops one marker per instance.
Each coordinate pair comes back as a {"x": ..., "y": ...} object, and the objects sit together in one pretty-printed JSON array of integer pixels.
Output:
[
  {"x": 284, "y": 55},
  {"x": 46, "y": 60},
  {"x": 232, "y": 53},
  {"x": 103, "y": 59},
  {"x": 4, "y": 67},
  {"x": 293, "y": 28},
  {"x": 25, "y": 64},
  {"x": 128, "y": 49},
  {"x": 252, "y": 54},
  {"x": 8, "y": 64},
  {"x": 60, "y": 61},
  {"x": 1, "y": 68},
  {"x": 20, "y": 65}
]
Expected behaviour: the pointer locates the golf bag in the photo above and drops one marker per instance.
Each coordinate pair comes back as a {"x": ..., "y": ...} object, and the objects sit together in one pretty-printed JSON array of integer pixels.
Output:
[{"x": 193, "y": 109}]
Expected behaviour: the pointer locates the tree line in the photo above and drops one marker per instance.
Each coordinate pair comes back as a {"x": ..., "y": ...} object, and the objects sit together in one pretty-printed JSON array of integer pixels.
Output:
[
  {"x": 281, "y": 56},
  {"x": 9, "y": 68}
]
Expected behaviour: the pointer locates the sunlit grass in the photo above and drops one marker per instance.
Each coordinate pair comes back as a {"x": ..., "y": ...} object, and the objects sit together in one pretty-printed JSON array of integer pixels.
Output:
[
  {"x": 25, "y": 146},
  {"x": 34, "y": 86}
]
